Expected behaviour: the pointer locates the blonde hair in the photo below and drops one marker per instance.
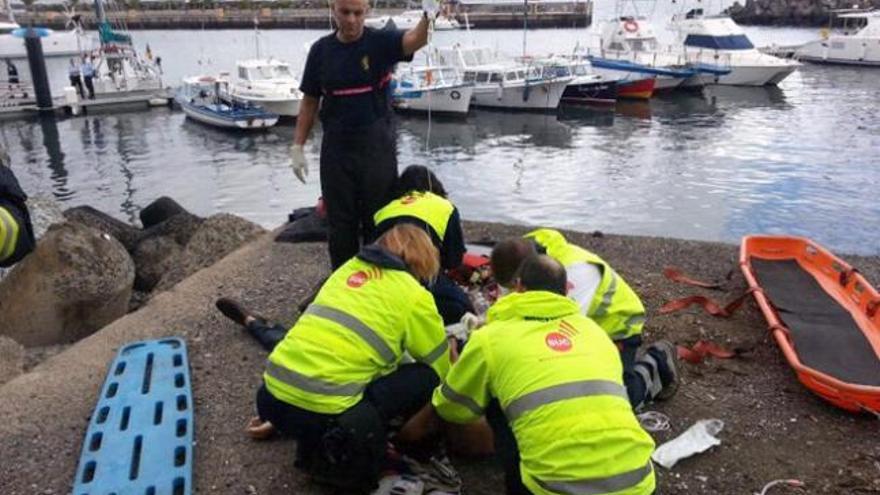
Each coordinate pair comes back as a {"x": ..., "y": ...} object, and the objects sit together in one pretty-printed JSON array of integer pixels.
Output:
[{"x": 415, "y": 247}]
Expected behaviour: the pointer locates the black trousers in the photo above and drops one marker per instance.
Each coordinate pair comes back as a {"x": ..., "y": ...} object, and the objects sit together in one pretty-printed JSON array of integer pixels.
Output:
[
  {"x": 636, "y": 388},
  {"x": 452, "y": 302},
  {"x": 358, "y": 174},
  {"x": 76, "y": 82},
  {"x": 347, "y": 450},
  {"x": 90, "y": 86}
]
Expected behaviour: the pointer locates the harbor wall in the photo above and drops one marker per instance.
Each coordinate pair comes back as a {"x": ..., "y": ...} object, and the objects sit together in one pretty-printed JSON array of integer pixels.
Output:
[
  {"x": 479, "y": 16},
  {"x": 807, "y": 13}
]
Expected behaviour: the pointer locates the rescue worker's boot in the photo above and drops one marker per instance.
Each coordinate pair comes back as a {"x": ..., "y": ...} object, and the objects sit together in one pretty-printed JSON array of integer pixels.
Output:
[{"x": 658, "y": 367}]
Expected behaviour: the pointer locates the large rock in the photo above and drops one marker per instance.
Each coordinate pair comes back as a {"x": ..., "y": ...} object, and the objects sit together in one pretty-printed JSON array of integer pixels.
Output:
[
  {"x": 11, "y": 359},
  {"x": 159, "y": 211},
  {"x": 75, "y": 282},
  {"x": 123, "y": 232},
  {"x": 153, "y": 257},
  {"x": 216, "y": 237}
]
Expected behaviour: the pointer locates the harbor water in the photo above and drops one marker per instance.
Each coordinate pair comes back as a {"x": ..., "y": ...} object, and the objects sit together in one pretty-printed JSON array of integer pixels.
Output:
[{"x": 799, "y": 159}]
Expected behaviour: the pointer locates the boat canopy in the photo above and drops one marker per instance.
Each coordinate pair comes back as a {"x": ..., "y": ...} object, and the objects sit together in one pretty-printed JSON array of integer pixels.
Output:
[
  {"x": 728, "y": 42},
  {"x": 109, "y": 36}
]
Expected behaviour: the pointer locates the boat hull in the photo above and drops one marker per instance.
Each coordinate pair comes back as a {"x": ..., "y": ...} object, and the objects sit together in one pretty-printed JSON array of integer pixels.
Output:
[
  {"x": 284, "y": 108},
  {"x": 56, "y": 44},
  {"x": 542, "y": 95},
  {"x": 841, "y": 51},
  {"x": 744, "y": 75},
  {"x": 451, "y": 100},
  {"x": 205, "y": 116},
  {"x": 642, "y": 89},
  {"x": 596, "y": 93}
]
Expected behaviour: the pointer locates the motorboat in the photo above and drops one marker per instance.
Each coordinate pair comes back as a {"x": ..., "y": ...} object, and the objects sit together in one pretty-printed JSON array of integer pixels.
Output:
[
  {"x": 409, "y": 19},
  {"x": 858, "y": 43},
  {"x": 200, "y": 98},
  {"x": 268, "y": 83},
  {"x": 628, "y": 43},
  {"x": 504, "y": 83},
  {"x": 433, "y": 89},
  {"x": 586, "y": 86},
  {"x": 717, "y": 40}
]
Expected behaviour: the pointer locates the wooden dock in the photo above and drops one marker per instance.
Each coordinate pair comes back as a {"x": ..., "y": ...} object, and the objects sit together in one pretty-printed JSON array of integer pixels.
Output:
[{"x": 10, "y": 108}]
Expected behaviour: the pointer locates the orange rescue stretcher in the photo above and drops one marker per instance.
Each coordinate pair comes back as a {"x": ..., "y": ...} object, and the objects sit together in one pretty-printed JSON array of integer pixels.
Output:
[{"x": 823, "y": 314}]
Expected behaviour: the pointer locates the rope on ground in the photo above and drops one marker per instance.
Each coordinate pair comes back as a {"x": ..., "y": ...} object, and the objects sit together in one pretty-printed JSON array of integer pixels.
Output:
[
  {"x": 791, "y": 482},
  {"x": 654, "y": 421}
]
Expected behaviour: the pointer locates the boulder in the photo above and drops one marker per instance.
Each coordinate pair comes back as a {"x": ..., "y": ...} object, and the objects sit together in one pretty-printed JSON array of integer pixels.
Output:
[
  {"x": 159, "y": 211},
  {"x": 77, "y": 280},
  {"x": 180, "y": 228},
  {"x": 216, "y": 237},
  {"x": 11, "y": 359},
  {"x": 123, "y": 232},
  {"x": 153, "y": 257}
]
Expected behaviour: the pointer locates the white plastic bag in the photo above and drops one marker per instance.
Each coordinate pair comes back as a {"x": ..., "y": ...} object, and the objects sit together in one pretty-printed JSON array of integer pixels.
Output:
[{"x": 698, "y": 438}]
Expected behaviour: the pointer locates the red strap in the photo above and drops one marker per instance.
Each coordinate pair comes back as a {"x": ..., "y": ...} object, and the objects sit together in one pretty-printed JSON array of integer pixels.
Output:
[
  {"x": 698, "y": 352},
  {"x": 359, "y": 90},
  {"x": 676, "y": 275},
  {"x": 846, "y": 275},
  {"x": 872, "y": 307},
  {"x": 710, "y": 306}
]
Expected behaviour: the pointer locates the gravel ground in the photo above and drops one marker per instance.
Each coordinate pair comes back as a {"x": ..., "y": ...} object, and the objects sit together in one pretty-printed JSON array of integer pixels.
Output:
[{"x": 774, "y": 428}]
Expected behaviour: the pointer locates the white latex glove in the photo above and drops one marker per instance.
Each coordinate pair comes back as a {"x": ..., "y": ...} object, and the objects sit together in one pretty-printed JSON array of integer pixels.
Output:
[
  {"x": 472, "y": 321},
  {"x": 298, "y": 162},
  {"x": 431, "y": 7}
]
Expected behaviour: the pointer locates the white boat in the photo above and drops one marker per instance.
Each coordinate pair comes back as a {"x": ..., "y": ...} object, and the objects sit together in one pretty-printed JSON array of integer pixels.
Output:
[
  {"x": 409, "y": 19},
  {"x": 717, "y": 40},
  {"x": 852, "y": 46},
  {"x": 587, "y": 86},
  {"x": 431, "y": 88},
  {"x": 200, "y": 97},
  {"x": 502, "y": 83},
  {"x": 54, "y": 43},
  {"x": 268, "y": 83}
]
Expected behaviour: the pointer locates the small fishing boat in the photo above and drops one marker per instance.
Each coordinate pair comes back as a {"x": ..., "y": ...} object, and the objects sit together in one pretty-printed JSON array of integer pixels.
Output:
[
  {"x": 431, "y": 88},
  {"x": 202, "y": 99}
]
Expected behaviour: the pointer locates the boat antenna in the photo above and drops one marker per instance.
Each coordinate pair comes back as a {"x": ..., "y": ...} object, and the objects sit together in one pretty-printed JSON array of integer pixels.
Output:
[
  {"x": 525, "y": 24},
  {"x": 257, "y": 35}
]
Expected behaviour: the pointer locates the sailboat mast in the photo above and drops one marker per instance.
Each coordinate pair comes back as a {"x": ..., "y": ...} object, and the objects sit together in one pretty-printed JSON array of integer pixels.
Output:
[
  {"x": 525, "y": 24},
  {"x": 99, "y": 11}
]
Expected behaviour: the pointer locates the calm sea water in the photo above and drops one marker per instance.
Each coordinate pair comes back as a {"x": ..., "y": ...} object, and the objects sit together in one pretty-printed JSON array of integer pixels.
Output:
[{"x": 798, "y": 159}]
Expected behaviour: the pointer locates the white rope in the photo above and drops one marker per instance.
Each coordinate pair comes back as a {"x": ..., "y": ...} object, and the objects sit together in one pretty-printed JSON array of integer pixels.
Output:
[
  {"x": 654, "y": 421},
  {"x": 791, "y": 482}
]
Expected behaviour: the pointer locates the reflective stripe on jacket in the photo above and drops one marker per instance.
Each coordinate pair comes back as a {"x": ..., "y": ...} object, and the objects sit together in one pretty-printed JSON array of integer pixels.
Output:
[
  {"x": 428, "y": 207},
  {"x": 558, "y": 378},
  {"x": 9, "y": 232},
  {"x": 615, "y": 306},
  {"x": 361, "y": 322}
]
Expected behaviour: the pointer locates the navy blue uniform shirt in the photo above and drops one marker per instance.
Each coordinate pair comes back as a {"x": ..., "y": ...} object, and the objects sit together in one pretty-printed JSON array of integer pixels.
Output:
[{"x": 351, "y": 68}]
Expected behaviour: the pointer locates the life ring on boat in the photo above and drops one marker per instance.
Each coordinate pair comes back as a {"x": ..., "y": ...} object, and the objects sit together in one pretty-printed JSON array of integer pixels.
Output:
[
  {"x": 630, "y": 26},
  {"x": 455, "y": 95}
]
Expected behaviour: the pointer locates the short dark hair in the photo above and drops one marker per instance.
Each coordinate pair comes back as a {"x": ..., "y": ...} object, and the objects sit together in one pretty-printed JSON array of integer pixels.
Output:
[
  {"x": 507, "y": 256},
  {"x": 541, "y": 272},
  {"x": 420, "y": 179}
]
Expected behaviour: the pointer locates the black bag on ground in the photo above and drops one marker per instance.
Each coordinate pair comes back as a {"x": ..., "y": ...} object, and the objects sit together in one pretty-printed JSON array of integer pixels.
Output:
[
  {"x": 305, "y": 226},
  {"x": 351, "y": 451}
]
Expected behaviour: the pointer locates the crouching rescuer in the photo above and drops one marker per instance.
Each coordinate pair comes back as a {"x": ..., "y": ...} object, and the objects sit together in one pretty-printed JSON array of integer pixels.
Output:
[
  {"x": 336, "y": 380},
  {"x": 549, "y": 381},
  {"x": 16, "y": 231}
]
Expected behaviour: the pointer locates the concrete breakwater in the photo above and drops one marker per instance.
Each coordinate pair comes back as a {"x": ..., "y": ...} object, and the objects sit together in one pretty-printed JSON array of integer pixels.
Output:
[
  {"x": 479, "y": 16},
  {"x": 791, "y": 12}
]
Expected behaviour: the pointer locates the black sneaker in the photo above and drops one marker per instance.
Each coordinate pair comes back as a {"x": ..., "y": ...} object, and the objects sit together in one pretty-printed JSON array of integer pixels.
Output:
[
  {"x": 666, "y": 356},
  {"x": 233, "y": 310}
]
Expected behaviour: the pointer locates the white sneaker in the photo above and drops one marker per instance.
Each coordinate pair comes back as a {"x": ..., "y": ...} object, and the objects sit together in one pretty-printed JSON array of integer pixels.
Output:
[
  {"x": 438, "y": 475},
  {"x": 400, "y": 484}
]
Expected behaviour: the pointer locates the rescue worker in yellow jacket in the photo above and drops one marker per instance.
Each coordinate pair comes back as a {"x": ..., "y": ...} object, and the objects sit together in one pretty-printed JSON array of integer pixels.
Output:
[
  {"x": 336, "y": 380},
  {"x": 549, "y": 381},
  {"x": 605, "y": 297},
  {"x": 16, "y": 231},
  {"x": 422, "y": 201}
]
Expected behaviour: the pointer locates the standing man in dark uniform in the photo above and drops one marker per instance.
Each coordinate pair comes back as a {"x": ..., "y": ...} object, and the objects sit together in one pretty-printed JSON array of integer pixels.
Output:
[
  {"x": 11, "y": 72},
  {"x": 348, "y": 73}
]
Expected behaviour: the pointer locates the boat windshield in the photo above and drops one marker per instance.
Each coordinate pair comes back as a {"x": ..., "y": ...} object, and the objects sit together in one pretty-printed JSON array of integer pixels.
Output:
[
  {"x": 282, "y": 71},
  {"x": 642, "y": 45},
  {"x": 729, "y": 42},
  {"x": 579, "y": 70}
]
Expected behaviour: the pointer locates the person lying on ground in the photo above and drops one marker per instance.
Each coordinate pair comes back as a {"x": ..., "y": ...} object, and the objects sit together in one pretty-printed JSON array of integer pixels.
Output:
[
  {"x": 548, "y": 379},
  {"x": 16, "y": 231},
  {"x": 422, "y": 201},
  {"x": 604, "y": 296},
  {"x": 336, "y": 380}
]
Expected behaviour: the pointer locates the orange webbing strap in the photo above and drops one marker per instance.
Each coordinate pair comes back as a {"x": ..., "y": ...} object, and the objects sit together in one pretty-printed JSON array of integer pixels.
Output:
[
  {"x": 846, "y": 276},
  {"x": 697, "y": 353},
  {"x": 710, "y": 306},
  {"x": 676, "y": 275},
  {"x": 872, "y": 307}
]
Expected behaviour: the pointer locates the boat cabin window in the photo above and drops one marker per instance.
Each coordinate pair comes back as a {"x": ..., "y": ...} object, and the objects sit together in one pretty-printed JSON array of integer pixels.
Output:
[
  {"x": 496, "y": 77},
  {"x": 615, "y": 45},
  {"x": 282, "y": 71},
  {"x": 559, "y": 71},
  {"x": 521, "y": 74},
  {"x": 483, "y": 77},
  {"x": 642, "y": 45},
  {"x": 470, "y": 77},
  {"x": 535, "y": 72},
  {"x": 579, "y": 70},
  {"x": 510, "y": 76},
  {"x": 243, "y": 73},
  {"x": 729, "y": 42}
]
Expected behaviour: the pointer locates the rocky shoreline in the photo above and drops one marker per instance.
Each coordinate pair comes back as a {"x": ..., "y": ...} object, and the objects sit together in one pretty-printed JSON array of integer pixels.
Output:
[
  {"x": 801, "y": 13},
  {"x": 774, "y": 428}
]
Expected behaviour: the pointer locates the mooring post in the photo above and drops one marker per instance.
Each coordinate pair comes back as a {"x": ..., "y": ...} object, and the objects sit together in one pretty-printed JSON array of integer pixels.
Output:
[{"x": 37, "y": 64}]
